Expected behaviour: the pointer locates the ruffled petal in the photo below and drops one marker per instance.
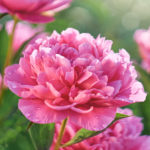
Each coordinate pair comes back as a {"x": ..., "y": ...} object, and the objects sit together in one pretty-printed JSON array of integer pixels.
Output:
[{"x": 38, "y": 112}]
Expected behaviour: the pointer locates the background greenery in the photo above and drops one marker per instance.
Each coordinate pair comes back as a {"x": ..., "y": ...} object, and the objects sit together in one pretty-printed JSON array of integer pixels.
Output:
[{"x": 116, "y": 20}]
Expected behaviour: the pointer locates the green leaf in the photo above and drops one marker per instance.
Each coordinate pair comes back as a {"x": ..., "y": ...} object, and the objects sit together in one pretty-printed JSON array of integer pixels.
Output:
[
  {"x": 42, "y": 135},
  {"x": 2, "y": 148},
  {"x": 143, "y": 108},
  {"x": 83, "y": 134}
]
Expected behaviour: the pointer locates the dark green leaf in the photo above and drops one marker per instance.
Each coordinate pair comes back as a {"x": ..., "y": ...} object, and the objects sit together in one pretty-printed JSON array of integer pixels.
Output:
[
  {"x": 83, "y": 134},
  {"x": 42, "y": 135}
]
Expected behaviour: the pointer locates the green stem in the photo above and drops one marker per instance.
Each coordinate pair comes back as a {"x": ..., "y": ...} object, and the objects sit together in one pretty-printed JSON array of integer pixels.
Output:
[
  {"x": 29, "y": 125},
  {"x": 9, "y": 54},
  {"x": 10, "y": 51},
  {"x": 33, "y": 142},
  {"x": 61, "y": 133},
  {"x": 2, "y": 93}
]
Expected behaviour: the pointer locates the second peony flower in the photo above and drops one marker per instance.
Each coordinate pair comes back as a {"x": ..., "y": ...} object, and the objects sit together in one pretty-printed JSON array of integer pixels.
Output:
[
  {"x": 76, "y": 76},
  {"x": 34, "y": 11}
]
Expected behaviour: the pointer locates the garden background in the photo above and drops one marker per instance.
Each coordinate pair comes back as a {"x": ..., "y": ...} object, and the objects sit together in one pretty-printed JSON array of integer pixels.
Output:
[{"x": 116, "y": 20}]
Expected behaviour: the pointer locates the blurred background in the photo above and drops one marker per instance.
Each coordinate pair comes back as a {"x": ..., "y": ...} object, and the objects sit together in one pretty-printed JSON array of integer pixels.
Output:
[{"x": 116, "y": 20}]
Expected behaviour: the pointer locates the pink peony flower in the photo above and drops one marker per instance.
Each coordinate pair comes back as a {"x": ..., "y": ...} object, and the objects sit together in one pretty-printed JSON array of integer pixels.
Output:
[
  {"x": 73, "y": 75},
  {"x": 122, "y": 135},
  {"x": 142, "y": 37},
  {"x": 35, "y": 11},
  {"x": 23, "y": 33}
]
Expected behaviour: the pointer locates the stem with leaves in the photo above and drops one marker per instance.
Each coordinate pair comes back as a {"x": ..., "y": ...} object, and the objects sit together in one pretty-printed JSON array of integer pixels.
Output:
[{"x": 61, "y": 133}]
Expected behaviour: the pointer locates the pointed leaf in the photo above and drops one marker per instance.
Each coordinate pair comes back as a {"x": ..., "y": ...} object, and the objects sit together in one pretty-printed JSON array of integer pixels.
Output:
[
  {"x": 83, "y": 134},
  {"x": 42, "y": 135}
]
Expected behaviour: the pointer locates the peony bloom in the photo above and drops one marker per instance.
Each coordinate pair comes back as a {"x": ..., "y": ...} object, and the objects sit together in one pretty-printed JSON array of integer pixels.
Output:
[
  {"x": 122, "y": 135},
  {"x": 142, "y": 37},
  {"x": 73, "y": 75},
  {"x": 23, "y": 33},
  {"x": 35, "y": 11}
]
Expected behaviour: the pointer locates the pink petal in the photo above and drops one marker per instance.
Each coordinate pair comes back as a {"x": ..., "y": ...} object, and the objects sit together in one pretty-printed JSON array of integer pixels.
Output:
[
  {"x": 62, "y": 61},
  {"x": 82, "y": 97},
  {"x": 86, "y": 75},
  {"x": 108, "y": 90},
  {"x": 121, "y": 101},
  {"x": 52, "y": 90},
  {"x": 82, "y": 111},
  {"x": 90, "y": 82},
  {"x": 17, "y": 81},
  {"x": 140, "y": 143},
  {"x": 55, "y": 6},
  {"x": 40, "y": 92},
  {"x": 116, "y": 85},
  {"x": 3, "y": 9},
  {"x": 36, "y": 111},
  {"x": 59, "y": 108},
  {"x": 34, "y": 18},
  {"x": 96, "y": 120},
  {"x": 17, "y": 5},
  {"x": 69, "y": 76}
]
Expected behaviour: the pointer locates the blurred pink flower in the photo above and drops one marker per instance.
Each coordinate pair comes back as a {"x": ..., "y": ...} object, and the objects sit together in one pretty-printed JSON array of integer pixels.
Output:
[
  {"x": 74, "y": 75},
  {"x": 23, "y": 33},
  {"x": 142, "y": 37},
  {"x": 35, "y": 11},
  {"x": 122, "y": 135}
]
